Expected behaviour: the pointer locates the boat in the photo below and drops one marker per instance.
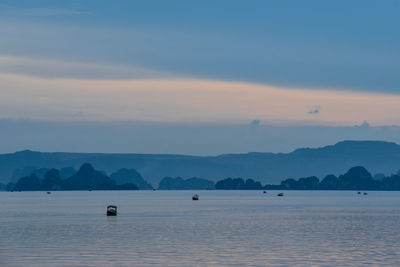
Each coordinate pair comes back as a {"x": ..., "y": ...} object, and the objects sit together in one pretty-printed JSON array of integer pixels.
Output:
[
  {"x": 359, "y": 193},
  {"x": 112, "y": 210},
  {"x": 195, "y": 197},
  {"x": 365, "y": 193},
  {"x": 280, "y": 195},
  {"x": 48, "y": 192},
  {"x": 264, "y": 192}
]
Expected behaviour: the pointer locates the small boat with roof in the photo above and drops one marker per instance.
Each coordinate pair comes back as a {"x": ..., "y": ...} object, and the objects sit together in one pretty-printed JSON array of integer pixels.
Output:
[{"x": 111, "y": 210}]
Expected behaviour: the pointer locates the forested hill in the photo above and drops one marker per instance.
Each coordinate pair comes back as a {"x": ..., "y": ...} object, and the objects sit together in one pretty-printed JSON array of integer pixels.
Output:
[{"x": 271, "y": 168}]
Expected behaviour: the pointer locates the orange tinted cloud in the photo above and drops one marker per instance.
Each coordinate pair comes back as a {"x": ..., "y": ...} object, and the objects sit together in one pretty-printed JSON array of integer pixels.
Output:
[{"x": 187, "y": 100}]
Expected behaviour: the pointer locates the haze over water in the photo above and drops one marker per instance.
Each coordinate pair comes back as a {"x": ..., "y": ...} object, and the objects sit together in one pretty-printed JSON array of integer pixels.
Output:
[{"x": 223, "y": 228}]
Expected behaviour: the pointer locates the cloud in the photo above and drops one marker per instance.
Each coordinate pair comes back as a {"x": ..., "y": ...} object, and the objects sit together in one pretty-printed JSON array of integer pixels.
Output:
[
  {"x": 364, "y": 125},
  {"x": 52, "y": 12},
  {"x": 314, "y": 110},
  {"x": 255, "y": 123},
  {"x": 41, "y": 11},
  {"x": 47, "y": 68},
  {"x": 195, "y": 49},
  {"x": 153, "y": 98}
]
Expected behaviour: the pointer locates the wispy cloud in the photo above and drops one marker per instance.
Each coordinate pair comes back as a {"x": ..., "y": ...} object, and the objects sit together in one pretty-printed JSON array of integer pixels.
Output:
[
  {"x": 314, "y": 110},
  {"x": 46, "y": 68},
  {"x": 53, "y": 12},
  {"x": 42, "y": 11}
]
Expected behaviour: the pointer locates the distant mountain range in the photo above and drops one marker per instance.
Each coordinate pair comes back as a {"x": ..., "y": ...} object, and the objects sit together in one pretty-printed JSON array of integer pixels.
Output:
[{"x": 271, "y": 168}]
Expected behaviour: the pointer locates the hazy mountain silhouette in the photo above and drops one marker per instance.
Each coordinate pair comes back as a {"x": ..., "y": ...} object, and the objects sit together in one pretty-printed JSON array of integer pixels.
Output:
[
  {"x": 123, "y": 176},
  {"x": 52, "y": 180},
  {"x": 88, "y": 178},
  {"x": 169, "y": 183},
  {"x": 356, "y": 178},
  {"x": 272, "y": 168},
  {"x": 28, "y": 183},
  {"x": 238, "y": 184},
  {"x": 28, "y": 170}
]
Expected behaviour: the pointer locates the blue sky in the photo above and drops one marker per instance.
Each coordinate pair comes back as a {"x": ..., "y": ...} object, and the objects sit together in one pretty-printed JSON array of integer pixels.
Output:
[
  {"x": 202, "y": 64},
  {"x": 349, "y": 45}
]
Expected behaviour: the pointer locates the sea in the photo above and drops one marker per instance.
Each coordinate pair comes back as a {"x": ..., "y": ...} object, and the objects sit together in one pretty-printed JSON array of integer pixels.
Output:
[{"x": 222, "y": 228}]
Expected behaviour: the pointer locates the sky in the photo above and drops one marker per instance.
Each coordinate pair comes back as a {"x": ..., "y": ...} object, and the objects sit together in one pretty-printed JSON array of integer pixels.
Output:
[{"x": 205, "y": 65}]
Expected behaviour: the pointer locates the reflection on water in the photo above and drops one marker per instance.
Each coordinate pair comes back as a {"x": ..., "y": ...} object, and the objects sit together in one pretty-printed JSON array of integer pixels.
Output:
[{"x": 223, "y": 228}]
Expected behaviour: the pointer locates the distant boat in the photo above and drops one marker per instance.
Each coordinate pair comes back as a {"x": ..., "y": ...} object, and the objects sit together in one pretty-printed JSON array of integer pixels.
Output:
[
  {"x": 112, "y": 210},
  {"x": 365, "y": 193},
  {"x": 48, "y": 192},
  {"x": 280, "y": 195},
  {"x": 359, "y": 193},
  {"x": 264, "y": 192},
  {"x": 195, "y": 197}
]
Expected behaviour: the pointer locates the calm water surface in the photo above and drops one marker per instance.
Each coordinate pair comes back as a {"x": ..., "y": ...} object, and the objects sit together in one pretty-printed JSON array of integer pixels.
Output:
[{"x": 223, "y": 228}]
